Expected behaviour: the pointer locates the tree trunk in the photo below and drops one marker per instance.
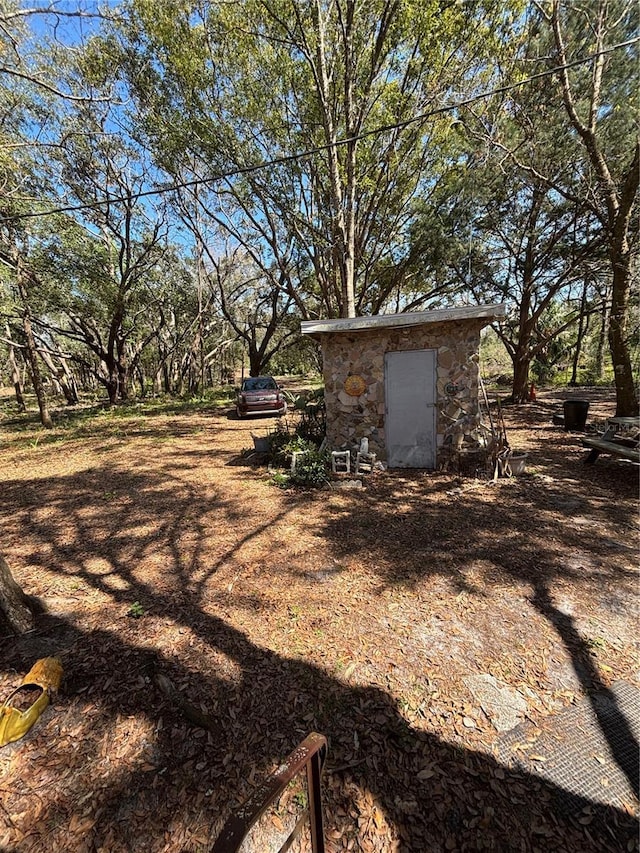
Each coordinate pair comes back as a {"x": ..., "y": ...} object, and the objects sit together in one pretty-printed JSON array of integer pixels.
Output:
[
  {"x": 87, "y": 378},
  {"x": 142, "y": 380},
  {"x": 626, "y": 397},
  {"x": 112, "y": 384},
  {"x": 123, "y": 382},
  {"x": 69, "y": 384},
  {"x": 521, "y": 355},
  {"x": 162, "y": 379},
  {"x": 599, "y": 365},
  {"x": 15, "y": 374},
  {"x": 62, "y": 376},
  {"x": 581, "y": 331},
  {"x": 521, "y": 364},
  {"x": 32, "y": 354},
  {"x": 255, "y": 363},
  {"x": 342, "y": 238},
  {"x": 14, "y": 604}
]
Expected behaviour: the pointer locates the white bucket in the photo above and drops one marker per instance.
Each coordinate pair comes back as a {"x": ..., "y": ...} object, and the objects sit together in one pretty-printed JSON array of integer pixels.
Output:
[{"x": 517, "y": 463}]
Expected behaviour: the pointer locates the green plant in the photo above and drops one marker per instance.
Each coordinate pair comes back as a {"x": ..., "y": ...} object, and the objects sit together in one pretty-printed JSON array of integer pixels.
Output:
[
  {"x": 284, "y": 442},
  {"x": 311, "y": 471},
  {"x": 136, "y": 610},
  {"x": 278, "y": 440},
  {"x": 297, "y": 444},
  {"x": 280, "y": 479},
  {"x": 300, "y": 799},
  {"x": 594, "y": 643},
  {"x": 313, "y": 423}
]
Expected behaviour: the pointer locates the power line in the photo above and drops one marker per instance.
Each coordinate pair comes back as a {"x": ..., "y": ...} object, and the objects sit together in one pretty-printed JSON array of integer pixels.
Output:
[{"x": 290, "y": 158}]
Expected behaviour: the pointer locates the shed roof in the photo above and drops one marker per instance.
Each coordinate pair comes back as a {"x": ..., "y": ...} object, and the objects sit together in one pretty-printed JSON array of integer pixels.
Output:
[{"x": 410, "y": 318}]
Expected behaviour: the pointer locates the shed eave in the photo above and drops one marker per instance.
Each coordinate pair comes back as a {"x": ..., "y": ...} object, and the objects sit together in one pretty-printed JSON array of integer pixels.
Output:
[{"x": 410, "y": 318}]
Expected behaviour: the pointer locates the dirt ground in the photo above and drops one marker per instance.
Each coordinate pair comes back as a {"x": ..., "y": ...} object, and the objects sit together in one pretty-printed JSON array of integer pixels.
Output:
[{"x": 160, "y": 548}]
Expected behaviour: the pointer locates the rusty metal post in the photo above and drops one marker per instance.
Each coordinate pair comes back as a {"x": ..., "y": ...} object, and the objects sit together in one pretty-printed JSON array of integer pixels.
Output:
[
  {"x": 314, "y": 771},
  {"x": 311, "y": 753}
]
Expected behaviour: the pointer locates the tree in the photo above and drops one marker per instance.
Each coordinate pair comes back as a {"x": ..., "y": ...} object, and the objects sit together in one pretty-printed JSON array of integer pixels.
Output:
[
  {"x": 616, "y": 179},
  {"x": 22, "y": 282},
  {"x": 255, "y": 306},
  {"x": 239, "y": 86},
  {"x": 585, "y": 124},
  {"x": 22, "y": 121},
  {"x": 527, "y": 247},
  {"x": 29, "y": 96},
  {"x": 19, "y": 110},
  {"x": 105, "y": 268},
  {"x": 107, "y": 293},
  {"x": 16, "y": 608},
  {"x": 252, "y": 292},
  {"x": 14, "y": 371}
]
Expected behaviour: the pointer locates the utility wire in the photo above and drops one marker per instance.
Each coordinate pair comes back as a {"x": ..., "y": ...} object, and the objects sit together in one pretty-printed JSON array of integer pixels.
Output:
[{"x": 290, "y": 158}]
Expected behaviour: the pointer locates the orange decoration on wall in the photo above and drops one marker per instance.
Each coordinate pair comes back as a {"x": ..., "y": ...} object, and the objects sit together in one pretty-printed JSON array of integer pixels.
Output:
[{"x": 355, "y": 386}]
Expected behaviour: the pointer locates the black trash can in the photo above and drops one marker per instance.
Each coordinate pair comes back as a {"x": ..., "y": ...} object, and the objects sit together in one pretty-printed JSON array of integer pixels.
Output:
[{"x": 575, "y": 415}]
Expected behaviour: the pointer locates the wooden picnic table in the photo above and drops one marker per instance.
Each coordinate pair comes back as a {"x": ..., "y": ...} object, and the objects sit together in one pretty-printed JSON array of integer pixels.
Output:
[
  {"x": 621, "y": 438},
  {"x": 625, "y": 423}
]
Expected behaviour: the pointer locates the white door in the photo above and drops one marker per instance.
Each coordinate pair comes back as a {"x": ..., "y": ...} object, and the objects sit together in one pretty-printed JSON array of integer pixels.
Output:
[{"x": 410, "y": 422}]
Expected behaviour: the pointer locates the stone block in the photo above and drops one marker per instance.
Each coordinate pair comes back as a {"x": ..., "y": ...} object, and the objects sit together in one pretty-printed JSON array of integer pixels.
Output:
[
  {"x": 347, "y": 400},
  {"x": 445, "y": 359}
]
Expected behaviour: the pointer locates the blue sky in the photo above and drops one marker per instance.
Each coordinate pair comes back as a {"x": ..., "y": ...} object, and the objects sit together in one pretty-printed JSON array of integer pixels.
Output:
[{"x": 68, "y": 30}]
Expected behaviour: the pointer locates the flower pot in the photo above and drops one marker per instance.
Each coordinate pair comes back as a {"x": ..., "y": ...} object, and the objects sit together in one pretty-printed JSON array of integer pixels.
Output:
[{"x": 516, "y": 463}]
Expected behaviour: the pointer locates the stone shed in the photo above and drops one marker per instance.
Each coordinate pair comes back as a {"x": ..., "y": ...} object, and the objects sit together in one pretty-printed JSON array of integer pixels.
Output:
[{"x": 408, "y": 383}]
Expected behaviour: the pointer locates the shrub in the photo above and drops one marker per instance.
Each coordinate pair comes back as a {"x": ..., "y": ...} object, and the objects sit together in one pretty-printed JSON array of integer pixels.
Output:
[
  {"x": 280, "y": 479},
  {"x": 283, "y": 442},
  {"x": 312, "y": 470},
  {"x": 313, "y": 425}
]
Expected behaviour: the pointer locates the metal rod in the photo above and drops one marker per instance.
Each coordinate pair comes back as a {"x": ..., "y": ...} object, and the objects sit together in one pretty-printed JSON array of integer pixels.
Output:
[
  {"x": 314, "y": 771},
  {"x": 311, "y": 753}
]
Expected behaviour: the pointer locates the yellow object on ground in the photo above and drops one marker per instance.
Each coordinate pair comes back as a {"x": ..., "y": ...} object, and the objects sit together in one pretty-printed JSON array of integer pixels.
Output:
[{"x": 43, "y": 678}]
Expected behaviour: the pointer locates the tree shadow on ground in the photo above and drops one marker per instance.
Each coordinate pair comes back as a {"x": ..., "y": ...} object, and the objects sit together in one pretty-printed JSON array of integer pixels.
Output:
[
  {"x": 540, "y": 555},
  {"x": 432, "y": 795}
]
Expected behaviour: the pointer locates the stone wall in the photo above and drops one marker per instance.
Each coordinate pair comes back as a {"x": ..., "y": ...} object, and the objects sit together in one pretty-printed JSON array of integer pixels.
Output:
[{"x": 350, "y": 418}]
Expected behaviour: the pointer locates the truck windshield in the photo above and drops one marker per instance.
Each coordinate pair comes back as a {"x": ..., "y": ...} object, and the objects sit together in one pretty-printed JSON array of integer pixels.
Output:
[{"x": 259, "y": 383}]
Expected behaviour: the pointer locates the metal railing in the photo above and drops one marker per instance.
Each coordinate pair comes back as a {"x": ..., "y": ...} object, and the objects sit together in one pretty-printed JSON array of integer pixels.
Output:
[{"x": 310, "y": 754}]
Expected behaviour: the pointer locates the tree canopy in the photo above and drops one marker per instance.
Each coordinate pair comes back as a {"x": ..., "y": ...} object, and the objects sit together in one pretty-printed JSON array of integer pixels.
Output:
[{"x": 221, "y": 171}]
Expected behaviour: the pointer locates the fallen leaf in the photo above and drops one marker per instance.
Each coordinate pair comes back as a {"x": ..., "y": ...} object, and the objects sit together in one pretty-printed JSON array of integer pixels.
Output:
[
  {"x": 378, "y": 817},
  {"x": 425, "y": 774}
]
